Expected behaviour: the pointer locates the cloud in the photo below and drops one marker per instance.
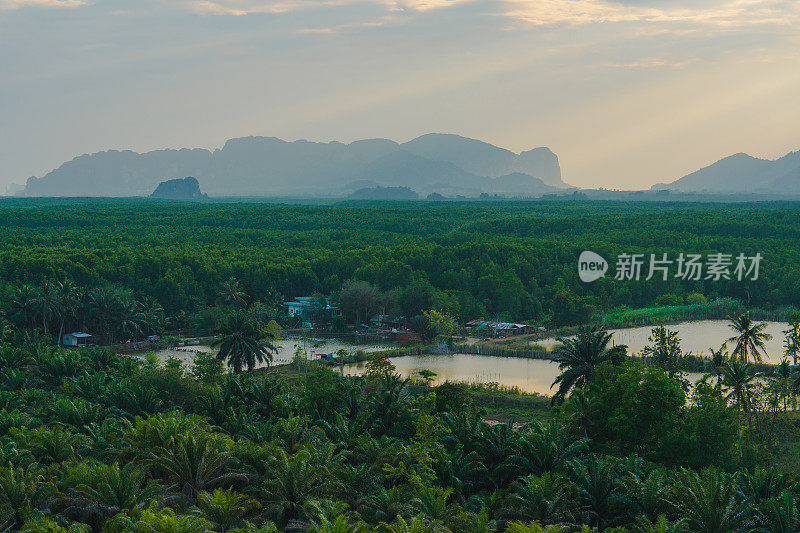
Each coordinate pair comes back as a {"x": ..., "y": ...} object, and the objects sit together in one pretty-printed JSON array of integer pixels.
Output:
[
  {"x": 649, "y": 63},
  {"x": 578, "y": 12},
  {"x": 341, "y": 28},
  {"x": 17, "y": 4},
  {"x": 247, "y": 7},
  {"x": 427, "y": 5}
]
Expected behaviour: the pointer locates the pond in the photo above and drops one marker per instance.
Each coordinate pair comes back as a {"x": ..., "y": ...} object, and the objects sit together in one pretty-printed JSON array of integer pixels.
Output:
[
  {"x": 696, "y": 337},
  {"x": 286, "y": 349},
  {"x": 529, "y": 375}
]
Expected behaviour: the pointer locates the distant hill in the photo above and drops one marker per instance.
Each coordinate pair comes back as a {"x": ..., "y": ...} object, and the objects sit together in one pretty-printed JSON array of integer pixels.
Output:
[
  {"x": 267, "y": 166},
  {"x": 179, "y": 189},
  {"x": 742, "y": 173},
  {"x": 384, "y": 193}
]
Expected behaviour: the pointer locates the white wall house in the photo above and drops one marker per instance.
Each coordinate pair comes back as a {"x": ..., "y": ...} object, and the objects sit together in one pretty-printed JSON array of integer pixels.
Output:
[{"x": 77, "y": 339}]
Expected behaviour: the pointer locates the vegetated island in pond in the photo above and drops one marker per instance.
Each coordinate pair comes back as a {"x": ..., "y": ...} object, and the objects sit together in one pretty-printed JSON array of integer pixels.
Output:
[{"x": 179, "y": 189}]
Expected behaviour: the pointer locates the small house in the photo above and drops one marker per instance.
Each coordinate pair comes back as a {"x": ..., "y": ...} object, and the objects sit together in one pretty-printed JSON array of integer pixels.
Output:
[
  {"x": 78, "y": 338},
  {"x": 488, "y": 328},
  {"x": 386, "y": 322},
  {"x": 312, "y": 310}
]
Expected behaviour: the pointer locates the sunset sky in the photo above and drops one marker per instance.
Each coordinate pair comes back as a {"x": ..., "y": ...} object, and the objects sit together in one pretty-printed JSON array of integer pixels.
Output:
[{"x": 625, "y": 93}]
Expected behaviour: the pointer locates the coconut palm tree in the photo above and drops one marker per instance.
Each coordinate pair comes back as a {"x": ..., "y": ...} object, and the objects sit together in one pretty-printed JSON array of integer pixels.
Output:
[
  {"x": 68, "y": 298},
  {"x": 749, "y": 338},
  {"x": 47, "y": 305},
  {"x": 580, "y": 356},
  {"x": 243, "y": 341},
  {"x": 718, "y": 358},
  {"x": 23, "y": 307},
  {"x": 102, "y": 305},
  {"x": 737, "y": 378},
  {"x": 231, "y": 293}
]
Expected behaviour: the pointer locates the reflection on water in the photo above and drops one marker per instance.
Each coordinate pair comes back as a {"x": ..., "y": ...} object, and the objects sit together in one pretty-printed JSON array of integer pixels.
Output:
[
  {"x": 286, "y": 350},
  {"x": 696, "y": 337},
  {"x": 529, "y": 375}
]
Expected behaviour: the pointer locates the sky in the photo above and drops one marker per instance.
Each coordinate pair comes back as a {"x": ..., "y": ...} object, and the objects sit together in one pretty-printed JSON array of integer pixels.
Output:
[{"x": 627, "y": 94}]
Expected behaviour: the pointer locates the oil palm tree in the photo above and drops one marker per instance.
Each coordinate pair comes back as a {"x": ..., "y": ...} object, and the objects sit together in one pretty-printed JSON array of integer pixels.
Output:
[
  {"x": 243, "y": 341},
  {"x": 599, "y": 495},
  {"x": 749, "y": 338},
  {"x": 291, "y": 486},
  {"x": 195, "y": 464},
  {"x": 780, "y": 514},
  {"x": 580, "y": 356},
  {"x": 543, "y": 498},
  {"x": 545, "y": 447},
  {"x": 708, "y": 500},
  {"x": 226, "y": 508},
  {"x": 21, "y": 489}
]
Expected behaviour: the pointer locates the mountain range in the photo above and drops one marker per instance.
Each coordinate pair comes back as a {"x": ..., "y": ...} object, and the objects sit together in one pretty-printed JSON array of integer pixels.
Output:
[
  {"x": 266, "y": 166},
  {"x": 742, "y": 173}
]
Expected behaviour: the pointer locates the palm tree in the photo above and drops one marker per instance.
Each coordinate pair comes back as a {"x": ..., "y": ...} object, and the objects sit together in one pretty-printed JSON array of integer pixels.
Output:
[
  {"x": 291, "y": 486},
  {"x": 243, "y": 341},
  {"x": 543, "y": 498},
  {"x": 709, "y": 502},
  {"x": 737, "y": 378},
  {"x": 231, "y": 293},
  {"x": 127, "y": 319},
  {"x": 68, "y": 297},
  {"x": 111, "y": 489},
  {"x": 749, "y": 339},
  {"x": 718, "y": 358},
  {"x": 195, "y": 464},
  {"x": 150, "y": 316},
  {"x": 226, "y": 508},
  {"x": 544, "y": 448},
  {"x": 47, "y": 304},
  {"x": 102, "y": 304},
  {"x": 23, "y": 306},
  {"x": 580, "y": 356},
  {"x": 21, "y": 489},
  {"x": 780, "y": 514},
  {"x": 598, "y": 490}
]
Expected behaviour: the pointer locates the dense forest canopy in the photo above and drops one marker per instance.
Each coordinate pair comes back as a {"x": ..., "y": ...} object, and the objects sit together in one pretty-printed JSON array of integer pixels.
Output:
[{"x": 471, "y": 259}]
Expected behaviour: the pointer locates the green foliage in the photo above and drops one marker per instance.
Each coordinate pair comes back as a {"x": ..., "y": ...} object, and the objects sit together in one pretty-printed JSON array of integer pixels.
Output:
[
  {"x": 471, "y": 259},
  {"x": 632, "y": 405}
]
